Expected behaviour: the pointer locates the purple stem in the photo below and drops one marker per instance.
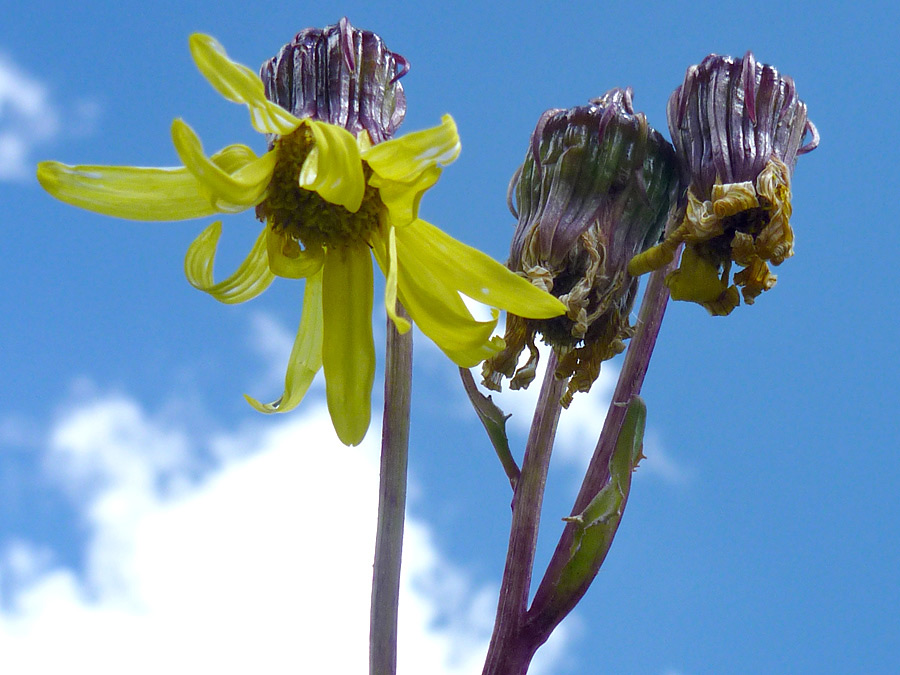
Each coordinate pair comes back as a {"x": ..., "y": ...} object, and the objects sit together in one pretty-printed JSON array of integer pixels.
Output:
[
  {"x": 510, "y": 650},
  {"x": 547, "y": 610},
  {"x": 391, "y": 501},
  {"x": 519, "y": 632}
]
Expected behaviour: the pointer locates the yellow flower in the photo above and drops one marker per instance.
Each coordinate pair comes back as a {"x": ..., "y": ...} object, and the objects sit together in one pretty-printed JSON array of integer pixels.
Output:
[{"x": 327, "y": 197}]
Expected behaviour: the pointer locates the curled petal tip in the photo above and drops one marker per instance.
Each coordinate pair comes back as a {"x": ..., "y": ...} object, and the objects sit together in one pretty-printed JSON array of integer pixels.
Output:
[
  {"x": 813, "y": 141},
  {"x": 402, "y": 67}
]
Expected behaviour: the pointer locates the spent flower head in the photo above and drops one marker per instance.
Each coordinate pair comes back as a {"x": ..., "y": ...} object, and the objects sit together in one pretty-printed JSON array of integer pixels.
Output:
[
  {"x": 738, "y": 127},
  {"x": 332, "y": 189},
  {"x": 595, "y": 189}
]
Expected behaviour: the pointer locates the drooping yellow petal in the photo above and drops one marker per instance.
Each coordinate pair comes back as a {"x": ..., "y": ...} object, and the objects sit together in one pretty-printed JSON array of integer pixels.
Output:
[
  {"x": 306, "y": 355},
  {"x": 474, "y": 273},
  {"x": 439, "y": 311},
  {"x": 286, "y": 259},
  {"x": 126, "y": 191},
  {"x": 390, "y": 289},
  {"x": 233, "y": 158},
  {"x": 696, "y": 279},
  {"x": 348, "y": 354},
  {"x": 403, "y": 159},
  {"x": 250, "y": 279},
  {"x": 239, "y": 84},
  {"x": 402, "y": 199},
  {"x": 333, "y": 168},
  {"x": 228, "y": 191}
]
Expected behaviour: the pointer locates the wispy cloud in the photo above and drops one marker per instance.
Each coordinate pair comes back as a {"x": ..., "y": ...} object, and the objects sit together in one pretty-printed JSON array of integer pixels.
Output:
[
  {"x": 259, "y": 564},
  {"x": 661, "y": 464},
  {"x": 29, "y": 117},
  {"x": 272, "y": 343}
]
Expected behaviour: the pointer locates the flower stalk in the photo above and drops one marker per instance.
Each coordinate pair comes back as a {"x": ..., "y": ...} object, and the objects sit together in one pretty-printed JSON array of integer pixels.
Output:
[
  {"x": 597, "y": 187},
  {"x": 519, "y": 631},
  {"x": 391, "y": 501},
  {"x": 547, "y": 610},
  {"x": 511, "y": 647}
]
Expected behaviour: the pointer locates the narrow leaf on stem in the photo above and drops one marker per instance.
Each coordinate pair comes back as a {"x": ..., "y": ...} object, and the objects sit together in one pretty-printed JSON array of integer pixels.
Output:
[{"x": 494, "y": 422}]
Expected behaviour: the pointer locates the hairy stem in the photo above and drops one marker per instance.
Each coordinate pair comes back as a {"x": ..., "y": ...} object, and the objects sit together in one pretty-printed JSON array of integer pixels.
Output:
[{"x": 391, "y": 502}]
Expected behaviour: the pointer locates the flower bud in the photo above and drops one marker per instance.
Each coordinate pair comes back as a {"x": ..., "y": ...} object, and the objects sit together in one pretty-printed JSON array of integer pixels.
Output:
[
  {"x": 738, "y": 128},
  {"x": 595, "y": 189},
  {"x": 340, "y": 75}
]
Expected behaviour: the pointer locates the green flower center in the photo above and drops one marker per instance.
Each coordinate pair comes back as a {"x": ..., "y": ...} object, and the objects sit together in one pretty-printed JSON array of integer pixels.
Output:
[{"x": 302, "y": 214}]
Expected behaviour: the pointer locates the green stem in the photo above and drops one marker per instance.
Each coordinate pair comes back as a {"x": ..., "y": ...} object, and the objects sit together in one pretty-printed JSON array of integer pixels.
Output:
[{"x": 391, "y": 502}]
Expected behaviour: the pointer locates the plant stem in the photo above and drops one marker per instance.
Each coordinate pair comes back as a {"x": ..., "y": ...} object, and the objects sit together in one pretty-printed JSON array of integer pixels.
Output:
[
  {"x": 548, "y": 610},
  {"x": 391, "y": 501},
  {"x": 510, "y": 650}
]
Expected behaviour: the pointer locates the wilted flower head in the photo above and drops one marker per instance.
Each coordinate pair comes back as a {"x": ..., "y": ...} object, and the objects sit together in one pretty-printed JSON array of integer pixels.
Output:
[
  {"x": 738, "y": 127},
  {"x": 363, "y": 80},
  {"x": 333, "y": 190},
  {"x": 595, "y": 189}
]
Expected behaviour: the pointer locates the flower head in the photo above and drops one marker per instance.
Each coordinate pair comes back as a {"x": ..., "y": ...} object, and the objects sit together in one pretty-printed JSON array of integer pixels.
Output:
[
  {"x": 332, "y": 189},
  {"x": 738, "y": 127},
  {"x": 595, "y": 189}
]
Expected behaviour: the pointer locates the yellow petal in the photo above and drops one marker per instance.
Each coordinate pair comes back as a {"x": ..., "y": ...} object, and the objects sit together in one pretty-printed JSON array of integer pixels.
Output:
[
  {"x": 473, "y": 273},
  {"x": 239, "y": 84},
  {"x": 333, "y": 168},
  {"x": 127, "y": 191},
  {"x": 404, "y": 159},
  {"x": 348, "y": 354},
  {"x": 287, "y": 260},
  {"x": 402, "y": 199},
  {"x": 696, "y": 279},
  {"x": 363, "y": 141},
  {"x": 306, "y": 355},
  {"x": 250, "y": 279},
  {"x": 234, "y": 157},
  {"x": 439, "y": 311},
  {"x": 390, "y": 289},
  {"x": 228, "y": 191}
]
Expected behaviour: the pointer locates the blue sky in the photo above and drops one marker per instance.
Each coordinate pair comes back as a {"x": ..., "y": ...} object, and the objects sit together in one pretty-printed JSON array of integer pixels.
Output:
[{"x": 144, "y": 506}]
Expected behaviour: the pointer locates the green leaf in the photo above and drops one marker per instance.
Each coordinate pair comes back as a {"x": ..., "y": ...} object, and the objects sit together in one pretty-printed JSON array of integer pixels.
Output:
[
  {"x": 494, "y": 421},
  {"x": 596, "y": 526}
]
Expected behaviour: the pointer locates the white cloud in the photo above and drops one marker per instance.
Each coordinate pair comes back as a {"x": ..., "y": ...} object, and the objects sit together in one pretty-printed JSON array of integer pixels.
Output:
[
  {"x": 261, "y": 563},
  {"x": 29, "y": 118},
  {"x": 271, "y": 341},
  {"x": 661, "y": 464}
]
